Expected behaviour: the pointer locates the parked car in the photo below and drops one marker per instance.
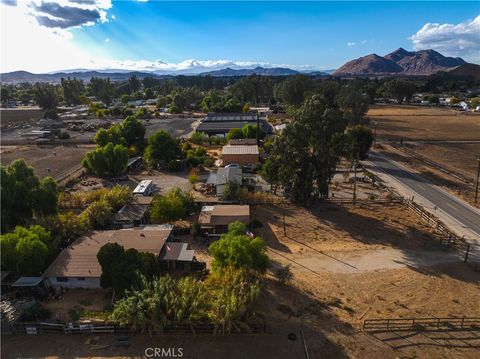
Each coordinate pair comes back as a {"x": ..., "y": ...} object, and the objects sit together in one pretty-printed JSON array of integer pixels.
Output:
[{"x": 233, "y": 165}]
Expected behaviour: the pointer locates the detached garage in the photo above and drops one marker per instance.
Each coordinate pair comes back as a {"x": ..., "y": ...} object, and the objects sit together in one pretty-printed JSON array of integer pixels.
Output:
[{"x": 241, "y": 154}]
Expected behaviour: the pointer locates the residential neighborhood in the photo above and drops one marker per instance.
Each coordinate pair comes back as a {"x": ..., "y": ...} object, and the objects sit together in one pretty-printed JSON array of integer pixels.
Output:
[{"x": 233, "y": 209}]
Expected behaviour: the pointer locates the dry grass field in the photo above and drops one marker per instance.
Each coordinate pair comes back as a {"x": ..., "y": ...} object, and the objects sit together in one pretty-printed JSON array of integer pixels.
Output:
[{"x": 424, "y": 123}]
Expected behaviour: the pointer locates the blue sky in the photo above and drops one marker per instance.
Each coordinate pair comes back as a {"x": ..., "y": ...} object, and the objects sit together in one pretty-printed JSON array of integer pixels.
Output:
[{"x": 320, "y": 34}]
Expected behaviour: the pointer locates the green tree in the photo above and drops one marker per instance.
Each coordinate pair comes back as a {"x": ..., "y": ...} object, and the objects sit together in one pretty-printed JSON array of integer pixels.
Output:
[
  {"x": 239, "y": 250},
  {"x": 134, "y": 84},
  {"x": 161, "y": 149},
  {"x": 294, "y": 89},
  {"x": 251, "y": 131},
  {"x": 22, "y": 194},
  {"x": 121, "y": 268},
  {"x": 46, "y": 97},
  {"x": 231, "y": 191},
  {"x": 174, "y": 205},
  {"x": 108, "y": 161},
  {"x": 359, "y": 140},
  {"x": 399, "y": 89},
  {"x": 112, "y": 135},
  {"x": 133, "y": 131},
  {"x": 25, "y": 250},
  {"x": 125, "y": 98},
  {"x": 308, "y": 150},
  {"x": 72, "y": 90},
  {"x": 102, "y": 89},
  {"x": 98, "y": 214},
  {"x": 235, "y": 133},
  {"x": 353, "y": 103}
]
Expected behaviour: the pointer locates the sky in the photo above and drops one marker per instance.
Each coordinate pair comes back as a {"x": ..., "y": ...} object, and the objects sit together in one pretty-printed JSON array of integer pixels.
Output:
[{"x": 46, "y": 36}]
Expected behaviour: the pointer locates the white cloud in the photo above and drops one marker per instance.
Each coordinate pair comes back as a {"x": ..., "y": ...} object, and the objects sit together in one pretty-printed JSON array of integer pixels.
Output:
[
  {"x": 450, "y": 39},
  {"x": 364, "y": 41},
  {"x": 107, "y": 40},
  {"x": 35, "y": 35},
  {"x": 350, "y": 43}
]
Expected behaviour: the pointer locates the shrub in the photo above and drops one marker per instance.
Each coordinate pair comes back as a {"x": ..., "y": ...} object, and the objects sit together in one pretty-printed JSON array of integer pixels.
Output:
[
  {"x": 63, "y": 135},
  {"x": 194, "y": 176},
  {"x": 174, "y": 205},
  {"x": 231, "y": 191},
  {"x": 284, "y": 274}
]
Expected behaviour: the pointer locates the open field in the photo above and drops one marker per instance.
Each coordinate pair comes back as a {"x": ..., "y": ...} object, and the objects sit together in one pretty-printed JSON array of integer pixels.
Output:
[
  {"x": 59, "y": 159},
  {"x": 460, "y": 157},
  {"x": 424, "y": 123},
  {"x": 328, "y": 303}
]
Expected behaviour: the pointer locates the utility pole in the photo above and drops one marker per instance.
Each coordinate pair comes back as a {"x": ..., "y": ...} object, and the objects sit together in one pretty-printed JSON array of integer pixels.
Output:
[
  {"x": 478, "y": 177},
  {"x": 375, "y": 134},
  {"x": 354, "y": 182}
]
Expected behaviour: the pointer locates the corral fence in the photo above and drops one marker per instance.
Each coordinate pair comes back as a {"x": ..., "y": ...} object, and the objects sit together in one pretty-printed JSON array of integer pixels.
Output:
[
  {"x": 421, "y": 324},
  {"x": 35, "y": 328}
]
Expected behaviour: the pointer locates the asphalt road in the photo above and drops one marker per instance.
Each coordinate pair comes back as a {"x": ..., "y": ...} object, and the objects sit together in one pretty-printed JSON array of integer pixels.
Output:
[{"x": 450, "y": 205}]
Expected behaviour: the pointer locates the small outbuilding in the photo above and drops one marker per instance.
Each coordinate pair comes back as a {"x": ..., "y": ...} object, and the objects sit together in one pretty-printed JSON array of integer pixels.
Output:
[
  {"x": 241, "y": 154},
  {"x": 215, "y": 219}
]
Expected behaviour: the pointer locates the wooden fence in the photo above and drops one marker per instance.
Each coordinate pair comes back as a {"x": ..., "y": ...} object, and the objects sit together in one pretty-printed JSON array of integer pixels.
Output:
[
  {"x": 421, "y": 324},
  {"x": 34, "y": 328},
  {"x": 431, "y": 220}
]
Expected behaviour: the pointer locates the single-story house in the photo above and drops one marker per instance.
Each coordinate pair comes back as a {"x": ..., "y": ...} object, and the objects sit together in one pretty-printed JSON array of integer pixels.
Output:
[
  {"x": 77, "y": 265},
  {"x": 242, "y": 154},
  {"x": 223, "y": 175},
  {"x": 215, "y": 219},
  {"x": 131, "y": 215}
]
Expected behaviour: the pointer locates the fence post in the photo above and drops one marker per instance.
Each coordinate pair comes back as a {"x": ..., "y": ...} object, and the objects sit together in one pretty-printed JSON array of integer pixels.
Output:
[
  {"x": 413, "y": 323},
  {"x": 388, "y": 324},
  {"x": 463, "y": 320},
  {"x": 466, "y": 253}
]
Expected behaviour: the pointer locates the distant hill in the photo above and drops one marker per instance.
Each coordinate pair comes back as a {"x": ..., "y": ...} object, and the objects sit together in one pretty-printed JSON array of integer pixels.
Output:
[
  {"x": 400, "y": 62},
  {"x": 275, "y": 71},
  {"x": 16, "y": 77},
  {"x": 467, "y": 70}
]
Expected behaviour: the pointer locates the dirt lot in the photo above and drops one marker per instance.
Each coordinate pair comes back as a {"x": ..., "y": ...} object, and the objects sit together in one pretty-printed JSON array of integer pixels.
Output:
[
  {"x": 59, "y": 159},
  {"x": 19, "y": 116},
  {"x": 92, "y": 300},
  {"x": 424, "y": 123}
]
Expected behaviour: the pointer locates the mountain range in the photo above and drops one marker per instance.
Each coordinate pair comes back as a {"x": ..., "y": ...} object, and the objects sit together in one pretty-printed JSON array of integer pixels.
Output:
[{"x": 400, "y": 62}]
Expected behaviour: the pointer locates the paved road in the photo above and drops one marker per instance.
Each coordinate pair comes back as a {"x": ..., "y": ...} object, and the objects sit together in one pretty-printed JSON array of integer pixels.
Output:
[{"x": 456, "y": 209}]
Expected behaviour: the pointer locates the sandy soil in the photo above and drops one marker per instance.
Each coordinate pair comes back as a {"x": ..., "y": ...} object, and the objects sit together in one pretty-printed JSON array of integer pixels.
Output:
[
  {"x": 59, "y": 159},
  {"x": 92, "y": 300},
  {"x": 424, "y": 123}
]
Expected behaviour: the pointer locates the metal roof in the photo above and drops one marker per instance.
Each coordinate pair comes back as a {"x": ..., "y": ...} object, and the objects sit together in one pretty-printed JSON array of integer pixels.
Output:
[
  {"x": 27, "y": 282},
  {"x": 177, "y": 251},
  {"x": 228, "y": 117},
  {"x": 240, "y": 150}
]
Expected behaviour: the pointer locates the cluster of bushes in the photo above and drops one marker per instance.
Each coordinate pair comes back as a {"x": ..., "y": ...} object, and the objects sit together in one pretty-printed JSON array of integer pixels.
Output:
[
  {"x": 102, "y": 203},
  {"x": 247, "y": 131},
  {"x": 114, "y": 146},
  {"x": 226, "y": 298},
  {"x": 196, "y": 156},
  {"x": 174, "y": 205}
]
